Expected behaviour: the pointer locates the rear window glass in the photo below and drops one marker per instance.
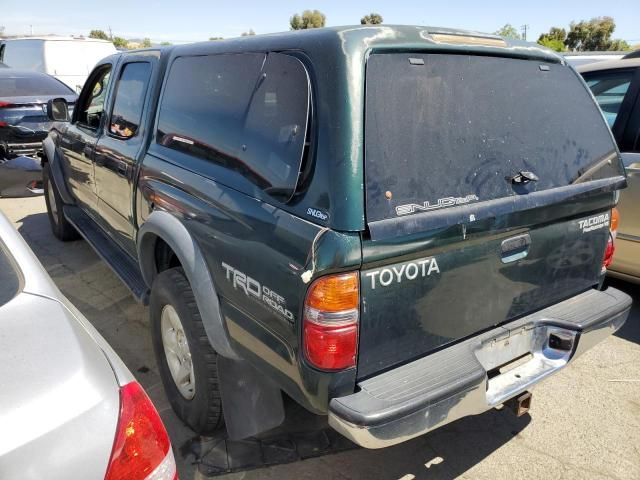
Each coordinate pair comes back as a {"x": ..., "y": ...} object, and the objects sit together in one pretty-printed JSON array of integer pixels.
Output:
[
  {"x": 242, "y": 112},
  {"x": 609, "y": 88},
  {"x": 445, "y": 130},
  {"x": 17, "y": 85},
  {"x": 9, "y": 277}
]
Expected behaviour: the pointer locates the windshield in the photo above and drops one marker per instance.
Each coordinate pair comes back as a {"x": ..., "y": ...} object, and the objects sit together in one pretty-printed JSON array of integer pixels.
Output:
[
  {"x": 9, "y": 277},
  {"x": 446, "y": 130}
]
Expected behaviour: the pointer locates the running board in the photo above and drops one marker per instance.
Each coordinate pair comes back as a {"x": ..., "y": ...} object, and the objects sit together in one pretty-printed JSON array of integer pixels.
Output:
[{"x": 114, "y": 256}]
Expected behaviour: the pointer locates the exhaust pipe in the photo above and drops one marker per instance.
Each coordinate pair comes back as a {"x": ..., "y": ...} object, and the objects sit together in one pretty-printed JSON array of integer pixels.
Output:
[{"x": 520, "y": 404}]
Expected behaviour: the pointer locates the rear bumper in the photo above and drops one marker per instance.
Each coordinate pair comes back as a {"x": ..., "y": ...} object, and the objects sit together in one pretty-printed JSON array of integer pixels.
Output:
[{"x": 464, "y": 379}]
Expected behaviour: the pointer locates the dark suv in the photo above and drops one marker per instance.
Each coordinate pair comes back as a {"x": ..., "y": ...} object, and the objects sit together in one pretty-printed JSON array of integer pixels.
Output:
[{"x": 395, "y": 226}]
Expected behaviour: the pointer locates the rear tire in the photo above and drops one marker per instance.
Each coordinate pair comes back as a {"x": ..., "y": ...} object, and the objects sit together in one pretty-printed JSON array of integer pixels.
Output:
[
  {"x": 60, "y": 226},
  {"x": 178, "y": 336}
]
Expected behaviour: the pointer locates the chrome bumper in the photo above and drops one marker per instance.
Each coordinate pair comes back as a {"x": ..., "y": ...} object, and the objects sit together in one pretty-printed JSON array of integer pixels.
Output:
[{"x": 465, "y": 379}]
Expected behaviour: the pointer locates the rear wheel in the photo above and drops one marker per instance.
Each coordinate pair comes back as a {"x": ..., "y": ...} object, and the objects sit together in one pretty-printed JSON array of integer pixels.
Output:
[
  {"x": 60, "y": 226},
  {"x": 186, "y": 360}
]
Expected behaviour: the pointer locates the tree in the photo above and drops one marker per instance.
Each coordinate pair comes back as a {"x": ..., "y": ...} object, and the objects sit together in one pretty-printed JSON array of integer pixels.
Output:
[
  {"x": 554, "y": 39},
  {"x": 619, "y": 45},
  {"x": 248, "y": 34},
  {"x": 120, "y": 42},
  {"x": 146, "y": 43},
  {"x": 508, "y": 31},
  {"x": 308, "y": 19},
  {"x": 165, "y": 44},
  {"x": 215, "y": 38},
  {"x": 371, "y": 19},
  {"x": 98, "y": 34},
  {"x": 552, "y": 43},
  {"x": 593, "y": 35}
]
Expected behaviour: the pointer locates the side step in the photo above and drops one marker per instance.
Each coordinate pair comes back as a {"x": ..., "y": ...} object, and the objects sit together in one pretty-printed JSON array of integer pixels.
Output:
[{"x": 119, "y": 261}]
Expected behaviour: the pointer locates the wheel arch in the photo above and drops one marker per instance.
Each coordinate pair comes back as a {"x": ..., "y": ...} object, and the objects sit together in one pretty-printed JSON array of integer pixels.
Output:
[
  {"x": 50, "y": 156},
  {"x": 166, "y": 227}
]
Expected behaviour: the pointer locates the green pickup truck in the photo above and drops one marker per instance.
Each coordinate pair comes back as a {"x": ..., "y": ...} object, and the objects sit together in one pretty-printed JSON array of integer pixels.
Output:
[{"x": 395, "y": 226}]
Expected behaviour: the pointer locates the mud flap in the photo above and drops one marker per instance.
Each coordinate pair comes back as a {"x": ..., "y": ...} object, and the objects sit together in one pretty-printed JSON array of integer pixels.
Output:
[{"x": 252, "y": 404}]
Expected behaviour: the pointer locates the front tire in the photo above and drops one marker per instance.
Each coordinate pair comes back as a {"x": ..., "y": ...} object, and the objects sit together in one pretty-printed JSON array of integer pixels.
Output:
[
  {"x": 185, "y": 358},
  {"x": 60, "y": 226}
]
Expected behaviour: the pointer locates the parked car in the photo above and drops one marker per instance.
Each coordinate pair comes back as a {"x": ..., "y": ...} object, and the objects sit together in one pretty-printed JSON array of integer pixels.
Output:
[
  {"x": 23, "y": 126},
  {"x": 69, "y": 59},
  {"x": 585, "y": 58},
  {"x": 381, "y": 256},
  {"x": 616, "y": 87},
  {"x": 69, "y": 407}
]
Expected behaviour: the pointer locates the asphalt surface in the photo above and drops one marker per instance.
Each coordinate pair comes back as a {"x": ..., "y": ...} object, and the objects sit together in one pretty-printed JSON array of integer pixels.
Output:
[{"x": 584, "y": 422}]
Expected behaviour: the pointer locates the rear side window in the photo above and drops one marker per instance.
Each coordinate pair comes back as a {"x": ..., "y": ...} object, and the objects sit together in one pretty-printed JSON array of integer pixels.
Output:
[
  {"x": 130, "y": 94},
  {"x": 245, "y": 112},
  {"x": 609, "y": 88},
  {"x": 18, "y": 85},
  {"x": 444, "y": 130}
]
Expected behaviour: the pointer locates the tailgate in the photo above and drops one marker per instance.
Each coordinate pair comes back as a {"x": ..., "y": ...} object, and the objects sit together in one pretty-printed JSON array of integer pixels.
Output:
[{"x": 489, "y": 185}]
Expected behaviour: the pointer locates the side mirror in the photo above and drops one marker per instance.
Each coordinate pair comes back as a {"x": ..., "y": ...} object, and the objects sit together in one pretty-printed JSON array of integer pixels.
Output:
[
  {"x": 631, "y": 160},
  {"x": 58, "y": 110}
]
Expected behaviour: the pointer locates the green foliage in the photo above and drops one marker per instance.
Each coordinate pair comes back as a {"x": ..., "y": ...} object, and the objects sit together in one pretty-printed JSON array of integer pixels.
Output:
[
  {"x": 146, "y": 43},
  {"x": 249, "y": 33},
  {"x": 508, "y": 31},
  {"x": 593, "y": 35},
  {"x": 371, "y": 19},
  {"x": 98, "y": 34},
  {"x": 554, "y": 39},
  {"x": 552, "y": 43},
  {"x": 308, "y": 19},
  {"x": 215, "y": 38},
  {"x": 120, "y": 42},
  {"x": 619, "y": 45},
  {"x": 165, "y": 44}
]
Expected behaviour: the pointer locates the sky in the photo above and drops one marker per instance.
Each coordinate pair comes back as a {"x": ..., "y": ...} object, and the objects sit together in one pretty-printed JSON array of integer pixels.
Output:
[{"x": 188, "y": 21}]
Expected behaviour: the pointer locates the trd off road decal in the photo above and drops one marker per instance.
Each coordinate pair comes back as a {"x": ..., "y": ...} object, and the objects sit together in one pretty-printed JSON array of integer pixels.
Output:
[
  {"x": 594, "y": 223},
  {"x": 441, "y": 203},
  {"x": 253, "y": 289},
  {"x": 383, "y": 277}
]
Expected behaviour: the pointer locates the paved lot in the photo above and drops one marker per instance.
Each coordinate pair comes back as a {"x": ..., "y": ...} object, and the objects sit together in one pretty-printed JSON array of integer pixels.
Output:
[{"x": 584, "y": 422}]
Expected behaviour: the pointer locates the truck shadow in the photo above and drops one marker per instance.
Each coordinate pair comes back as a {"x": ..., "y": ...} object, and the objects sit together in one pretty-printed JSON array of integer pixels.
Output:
[
  {"x": 630, "y": 331},
  {"x": 296, "y": 446}
]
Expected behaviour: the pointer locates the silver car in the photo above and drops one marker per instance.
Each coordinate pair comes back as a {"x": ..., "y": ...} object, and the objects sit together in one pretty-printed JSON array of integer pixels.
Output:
[
  {"x": 616, "y": 87},
  {"x": 69, "y": 407}
]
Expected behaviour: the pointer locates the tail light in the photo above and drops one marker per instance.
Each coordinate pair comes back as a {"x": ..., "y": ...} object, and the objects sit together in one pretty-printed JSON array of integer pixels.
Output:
[
  {"x": 142, "y": 449},
  {"x": 5, "y": 104},
  {"x": 330, "y": 327},
  {"x": 613, "y": 230}
]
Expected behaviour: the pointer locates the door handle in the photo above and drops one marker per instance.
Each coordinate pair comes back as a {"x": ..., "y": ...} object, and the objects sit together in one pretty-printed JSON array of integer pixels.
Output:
[
  {"x": 122, "y": 168},
  {"x": 515, "y": 248}
]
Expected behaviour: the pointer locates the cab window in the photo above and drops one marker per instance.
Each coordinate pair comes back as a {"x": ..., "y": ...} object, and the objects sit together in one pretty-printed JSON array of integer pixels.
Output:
[
  {"x": 129, "y": 101},
  {"x": 91, "y": 105}
]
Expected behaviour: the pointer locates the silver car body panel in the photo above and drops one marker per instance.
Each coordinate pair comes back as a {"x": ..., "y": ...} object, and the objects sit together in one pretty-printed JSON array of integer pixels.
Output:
[{"x": 59, "y": 380}]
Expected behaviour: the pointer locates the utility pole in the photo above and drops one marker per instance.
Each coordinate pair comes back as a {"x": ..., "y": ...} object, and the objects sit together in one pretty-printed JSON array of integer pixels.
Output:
[
  {"x": 31, "y": 28},
  {"x": 110, "y": 34},
  {"x": 524, "y": 28}
]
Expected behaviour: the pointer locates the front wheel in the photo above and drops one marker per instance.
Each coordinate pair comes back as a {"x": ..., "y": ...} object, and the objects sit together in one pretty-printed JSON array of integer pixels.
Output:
[{"x": 186, "y": 360}]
